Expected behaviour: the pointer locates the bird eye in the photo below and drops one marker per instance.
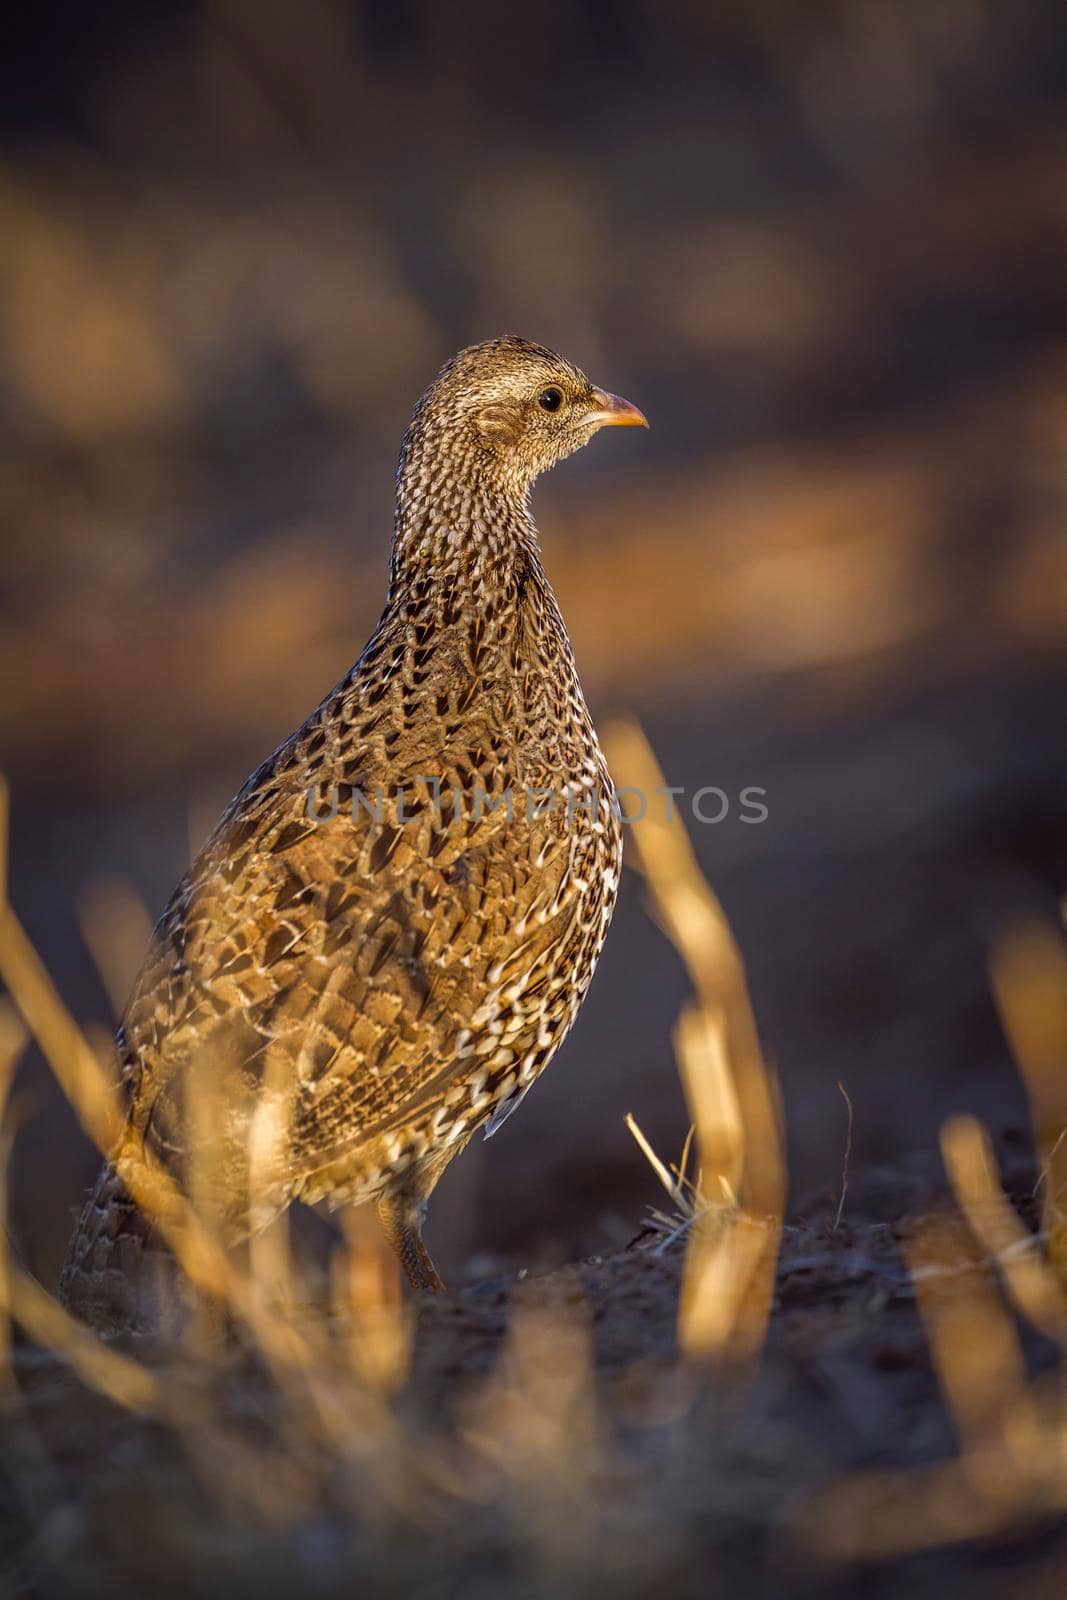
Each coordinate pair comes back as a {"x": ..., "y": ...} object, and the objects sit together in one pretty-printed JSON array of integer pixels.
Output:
[{"x": 550, "y": 399}]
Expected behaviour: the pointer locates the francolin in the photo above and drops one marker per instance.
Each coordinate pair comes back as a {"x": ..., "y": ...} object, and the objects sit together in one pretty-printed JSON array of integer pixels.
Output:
[{"x": 389, "y": 933}]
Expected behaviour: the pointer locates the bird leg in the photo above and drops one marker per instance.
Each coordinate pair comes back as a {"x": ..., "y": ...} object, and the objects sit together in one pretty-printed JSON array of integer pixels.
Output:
[
  {"x": 402, "y": 1212},
  {"x": 401, "y": 1215}
]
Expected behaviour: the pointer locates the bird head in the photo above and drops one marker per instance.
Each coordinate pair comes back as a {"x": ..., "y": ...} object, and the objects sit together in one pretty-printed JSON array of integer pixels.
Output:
[{"x": 513, "y": 409}]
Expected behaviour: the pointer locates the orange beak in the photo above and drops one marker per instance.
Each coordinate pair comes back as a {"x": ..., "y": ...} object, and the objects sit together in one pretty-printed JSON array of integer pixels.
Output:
[{"x": 614, "y": 412}]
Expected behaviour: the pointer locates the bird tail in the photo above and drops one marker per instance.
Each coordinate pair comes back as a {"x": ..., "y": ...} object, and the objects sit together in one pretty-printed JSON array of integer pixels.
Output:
[{"x": 104, "y": 1277}]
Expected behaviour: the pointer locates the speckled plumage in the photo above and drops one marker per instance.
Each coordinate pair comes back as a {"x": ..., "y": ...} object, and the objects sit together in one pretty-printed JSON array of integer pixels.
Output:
[{"x": 395, "y": 976}]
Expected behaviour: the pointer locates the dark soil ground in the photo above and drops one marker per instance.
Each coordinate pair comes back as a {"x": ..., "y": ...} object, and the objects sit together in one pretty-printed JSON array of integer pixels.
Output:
[{"x": 636, "y": 1477}]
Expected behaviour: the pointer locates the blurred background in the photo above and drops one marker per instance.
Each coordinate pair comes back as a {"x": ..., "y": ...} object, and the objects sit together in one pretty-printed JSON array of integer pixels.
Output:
[{"x": 824, "y": 247}]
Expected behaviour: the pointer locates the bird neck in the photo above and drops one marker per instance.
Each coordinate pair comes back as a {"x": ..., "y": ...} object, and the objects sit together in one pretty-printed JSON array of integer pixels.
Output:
[
  {"x": 462, "y": 520},
  {"x": 465, "y": 550}
]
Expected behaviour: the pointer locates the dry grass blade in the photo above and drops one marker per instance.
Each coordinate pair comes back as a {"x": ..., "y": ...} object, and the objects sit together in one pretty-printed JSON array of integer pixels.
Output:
[
  {"x": 116, "y": 928},
  {"x": 1029, "y": 976},
  {"x": 677, "y": 1191},
  {"x": 1012, "y": 1464},
  {"x": 701, "y": 1049},
  {"x": 1011, "y": 1467},
  {"x": 536, "y": 1427},
  {"x": 729, "y": 1273},
  {"x": 694, "y": 920},
  {"x": 974, "y": 1346},
  {"x": 970, "y": 1165},
  {"x": 727, "y": 1287},
  {"x": 878, "y": 1515},
  {"x": 91, "y": 1095},
  {"x": 368, "y": 1303}
]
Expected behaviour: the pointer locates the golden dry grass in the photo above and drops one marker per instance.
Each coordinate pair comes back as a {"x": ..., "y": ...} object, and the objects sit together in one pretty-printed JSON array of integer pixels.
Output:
[
  {"x": 535, "y": 1426},
  {"x": 536, "y": 1443}
]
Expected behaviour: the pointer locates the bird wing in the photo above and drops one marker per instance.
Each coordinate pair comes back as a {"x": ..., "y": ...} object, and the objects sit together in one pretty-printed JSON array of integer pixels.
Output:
[{"x": 341, "y": 965}]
